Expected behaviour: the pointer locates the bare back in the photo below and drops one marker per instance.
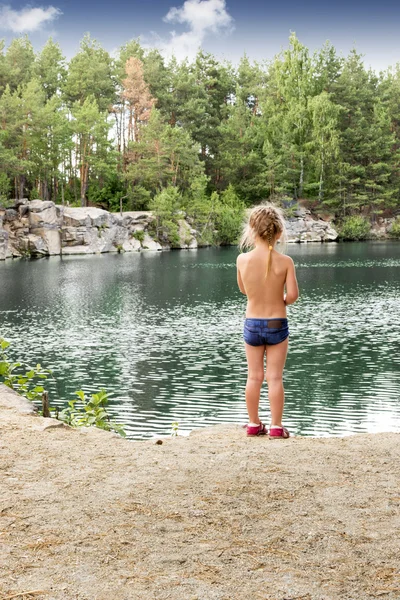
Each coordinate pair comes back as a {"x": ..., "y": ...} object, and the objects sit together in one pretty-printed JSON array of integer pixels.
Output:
[{"x": 265, "y": 295}]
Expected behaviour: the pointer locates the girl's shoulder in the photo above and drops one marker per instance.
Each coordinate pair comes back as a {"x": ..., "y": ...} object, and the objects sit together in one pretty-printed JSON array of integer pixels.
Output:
[{"x": 243, "y": 257}]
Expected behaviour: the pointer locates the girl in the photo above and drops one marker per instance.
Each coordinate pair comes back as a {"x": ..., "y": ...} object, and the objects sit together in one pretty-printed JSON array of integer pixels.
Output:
[{"x": 263, "y": 274}]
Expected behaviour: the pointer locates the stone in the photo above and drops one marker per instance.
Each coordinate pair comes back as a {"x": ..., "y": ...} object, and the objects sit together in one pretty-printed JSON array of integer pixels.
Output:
[
  {"x": 42, "y": 213},
  {"x": 75, "y": 217},
  {"x": 150, "y": 244},
  {"x": 49, "y": 423},
  {"x": 331, "y": 235},
  {"x": 10, "y": 215},
  {"x": 36, "y": 245},
  {"x": 13, "y": 401},
  {"x": 131, "y": 245},
  {"x": 4, "y": 247},
  {"x": 52, "y": 240}
]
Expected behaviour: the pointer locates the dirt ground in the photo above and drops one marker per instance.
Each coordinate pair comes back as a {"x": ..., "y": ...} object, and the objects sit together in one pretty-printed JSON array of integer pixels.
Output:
[{"x": 87, "y": 515}]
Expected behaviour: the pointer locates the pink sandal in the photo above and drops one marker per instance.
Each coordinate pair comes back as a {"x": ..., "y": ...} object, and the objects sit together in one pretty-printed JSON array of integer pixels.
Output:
[
  {"x": 278, "y": 433},
  {"x": 257, "y": 429}
]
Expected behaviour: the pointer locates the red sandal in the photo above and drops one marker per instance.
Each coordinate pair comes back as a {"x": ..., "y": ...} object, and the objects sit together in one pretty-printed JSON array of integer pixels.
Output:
[
  {"x": 257, "y": 429},
  {"x": 278, "y": 433}
]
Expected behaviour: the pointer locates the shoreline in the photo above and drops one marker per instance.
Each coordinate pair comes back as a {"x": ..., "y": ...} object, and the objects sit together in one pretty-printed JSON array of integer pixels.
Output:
[
  {"x": 214, "y": 515},
  {"x": 37, "y": 228}
]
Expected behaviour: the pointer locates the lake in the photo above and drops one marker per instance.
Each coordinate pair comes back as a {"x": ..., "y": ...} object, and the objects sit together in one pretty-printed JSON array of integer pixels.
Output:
[{"x": 162, "y": 333}]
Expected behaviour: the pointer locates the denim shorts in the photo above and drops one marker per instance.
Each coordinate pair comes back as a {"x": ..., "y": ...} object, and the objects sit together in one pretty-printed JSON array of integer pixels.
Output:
[{"x": 265, "y": 332}]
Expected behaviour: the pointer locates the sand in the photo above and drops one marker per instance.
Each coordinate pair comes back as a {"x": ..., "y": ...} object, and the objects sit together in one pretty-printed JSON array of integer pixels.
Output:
[{"x": 87, "y": 515}]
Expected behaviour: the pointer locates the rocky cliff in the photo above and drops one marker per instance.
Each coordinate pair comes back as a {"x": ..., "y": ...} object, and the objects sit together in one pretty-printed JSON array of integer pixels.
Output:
[{"x": 40, "y": 228}]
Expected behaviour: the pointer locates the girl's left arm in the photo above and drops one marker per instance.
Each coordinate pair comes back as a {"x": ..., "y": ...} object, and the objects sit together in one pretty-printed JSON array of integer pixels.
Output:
[{"x": 239, "y": 278}]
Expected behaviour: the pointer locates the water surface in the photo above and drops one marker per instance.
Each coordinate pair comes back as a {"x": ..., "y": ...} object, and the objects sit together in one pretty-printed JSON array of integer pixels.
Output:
[{"x": 162, "y": 333}]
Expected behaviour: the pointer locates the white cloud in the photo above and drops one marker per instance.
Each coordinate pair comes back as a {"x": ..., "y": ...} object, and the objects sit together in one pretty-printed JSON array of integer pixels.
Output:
[
  {"x": 202, "y": 18},
  {"x": 26, "y": 19}
]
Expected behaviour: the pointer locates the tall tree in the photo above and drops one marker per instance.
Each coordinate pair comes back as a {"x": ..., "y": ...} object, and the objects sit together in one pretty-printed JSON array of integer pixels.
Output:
[
  {"x": 19, "y": 61},
  {"x": 90, "y": 73},
  {"x": 91, "y": 129},
  {"x": 50, "y": 68},
  {"x": 137, "y": 96}
]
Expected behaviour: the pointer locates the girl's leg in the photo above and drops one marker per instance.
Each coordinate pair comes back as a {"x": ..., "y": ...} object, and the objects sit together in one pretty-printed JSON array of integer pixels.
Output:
[
  {"x": 276, "y": 358},
  {"x": 255, "y": 378}
]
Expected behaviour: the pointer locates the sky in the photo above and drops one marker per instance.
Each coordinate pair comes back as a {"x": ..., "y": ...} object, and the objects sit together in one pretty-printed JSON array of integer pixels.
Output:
[{"x": 227, "y": 28}]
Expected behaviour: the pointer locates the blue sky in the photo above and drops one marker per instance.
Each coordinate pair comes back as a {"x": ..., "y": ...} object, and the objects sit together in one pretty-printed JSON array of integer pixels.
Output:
[{"x": 226, "y": 28}]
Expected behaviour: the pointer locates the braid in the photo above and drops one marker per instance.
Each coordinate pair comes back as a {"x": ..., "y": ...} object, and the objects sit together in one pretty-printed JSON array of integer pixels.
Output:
[{"x": 265, "y": 222}]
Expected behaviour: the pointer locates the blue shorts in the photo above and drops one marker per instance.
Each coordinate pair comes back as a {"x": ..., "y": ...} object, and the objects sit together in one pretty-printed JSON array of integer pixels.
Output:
[{"x": 265, "y": 332}]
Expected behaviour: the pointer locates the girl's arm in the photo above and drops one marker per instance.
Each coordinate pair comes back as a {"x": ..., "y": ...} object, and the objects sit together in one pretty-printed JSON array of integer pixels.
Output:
[
  {"x": 292, "y": 288},
  {"x": 239, "y": 278}
]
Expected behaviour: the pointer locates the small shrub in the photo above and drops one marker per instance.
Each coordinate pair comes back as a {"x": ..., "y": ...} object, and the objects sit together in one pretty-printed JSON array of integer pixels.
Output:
[
  {"x": 92, "y": 413},
  {"x": 354, "y": 228},
  {"x": 394, "y": 230},
  {"x": 21, "y": 378},
  {"x": 28, "y": 381},
  {"x": 139, "y": 235},
  {"x": 101, "y": 228},
  {"x": 228, "y": 219},
  {"x": 167, "y": 208},
  {"x": 5, "y": 187}
]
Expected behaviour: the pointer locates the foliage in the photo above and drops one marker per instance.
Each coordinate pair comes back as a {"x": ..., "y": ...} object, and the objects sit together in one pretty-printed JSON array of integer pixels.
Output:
[
  {"x": 229, "y": 216},
  {"x": 22, "y": 378},
  {"x": 90, "y": 412},
  {"x": 355, "y": 227},
  {"x": 394, "y": 230},
  {"x": 167, "y": 208},
  {"x": 175, "y": 429},
  {"x": 28, "y": 381},
  {"x": 139, "y": 235},
  {"x": 314, "y": 126}
]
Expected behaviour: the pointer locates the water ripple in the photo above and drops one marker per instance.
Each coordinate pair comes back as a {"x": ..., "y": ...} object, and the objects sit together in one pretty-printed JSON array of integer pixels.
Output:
[{"x": 163, "y": 334}]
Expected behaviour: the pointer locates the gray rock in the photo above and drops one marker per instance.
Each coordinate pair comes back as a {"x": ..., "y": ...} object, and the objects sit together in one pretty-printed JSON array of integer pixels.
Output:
[
  {"x": 131, "y": 245},
  {"x": 52, "y": 240},
  {"x": 13, "y": 401},
  {"x": 5, "y": 251},
  {"x": 150, "y": 244},
  {"x": 331, "y": 235},
  {"x": 42, "y": 213},
  {"x": 36, "y": 246},
  {"x": 10, "y": 215}
]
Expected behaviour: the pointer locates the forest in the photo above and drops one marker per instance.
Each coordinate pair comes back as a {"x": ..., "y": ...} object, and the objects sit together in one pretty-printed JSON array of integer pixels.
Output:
[{"x": 172, "y": 136}]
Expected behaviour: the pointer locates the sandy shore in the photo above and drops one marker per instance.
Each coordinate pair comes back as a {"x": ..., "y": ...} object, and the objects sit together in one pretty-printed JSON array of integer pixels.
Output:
[{"x": 216, "y": 515}]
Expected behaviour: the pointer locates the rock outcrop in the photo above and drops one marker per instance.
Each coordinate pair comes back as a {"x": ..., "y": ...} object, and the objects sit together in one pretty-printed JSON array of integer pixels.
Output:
[
  {"x": 303, "y": 227},
  {"x": 39, "y": 228}
]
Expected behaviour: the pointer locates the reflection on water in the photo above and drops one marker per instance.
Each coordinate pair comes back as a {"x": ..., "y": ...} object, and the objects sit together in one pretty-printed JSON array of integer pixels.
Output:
[{"x": 162, "y": 333}]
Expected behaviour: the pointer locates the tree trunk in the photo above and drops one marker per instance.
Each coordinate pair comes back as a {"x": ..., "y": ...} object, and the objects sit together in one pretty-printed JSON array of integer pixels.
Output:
[
  {"x": 321, "y": 180},
  {"x": 301, "y": 181}
]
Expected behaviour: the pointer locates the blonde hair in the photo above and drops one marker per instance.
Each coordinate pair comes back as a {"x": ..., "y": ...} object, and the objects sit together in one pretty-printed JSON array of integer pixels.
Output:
[{"x": 265, "y": 221}]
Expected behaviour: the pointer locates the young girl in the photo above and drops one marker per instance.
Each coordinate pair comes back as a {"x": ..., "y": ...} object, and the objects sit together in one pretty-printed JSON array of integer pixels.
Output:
[{"x": 263, "y": 274}]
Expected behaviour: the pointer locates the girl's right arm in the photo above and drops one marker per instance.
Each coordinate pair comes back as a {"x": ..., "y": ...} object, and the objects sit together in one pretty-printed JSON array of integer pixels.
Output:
[{"x": 292, "y": 288}]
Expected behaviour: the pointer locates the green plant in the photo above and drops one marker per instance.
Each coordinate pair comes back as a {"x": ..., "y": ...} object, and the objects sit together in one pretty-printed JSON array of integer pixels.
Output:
[
  {"x": 394, "y": 230},
  {"x": 229, "y": 215},
  {"x": 139, "y": 235},
  {"x": 101, "y": 228},
  {"x": 167, "y": 208},
  {"x": 5, "y": 187},
  {"x": 355, "y": 227},
  {"x": 19, "y": 377},
  {"x": 92, "y": 413},
  {"x": 119, "y": 248},
  {"x": 175, "y": 429}
]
